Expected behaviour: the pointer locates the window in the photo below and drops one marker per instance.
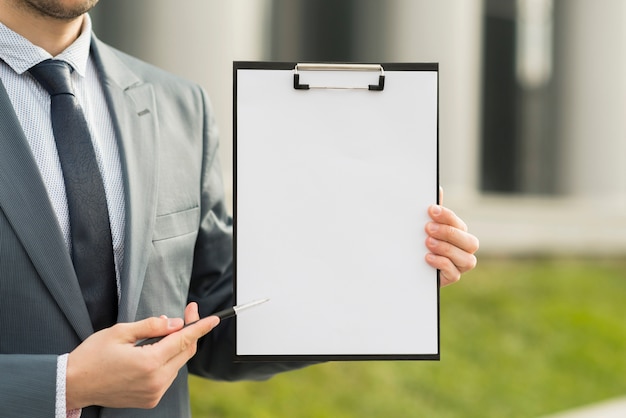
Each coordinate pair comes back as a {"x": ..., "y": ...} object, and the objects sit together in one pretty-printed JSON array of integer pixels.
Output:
[{"x": 518, "y": 151}]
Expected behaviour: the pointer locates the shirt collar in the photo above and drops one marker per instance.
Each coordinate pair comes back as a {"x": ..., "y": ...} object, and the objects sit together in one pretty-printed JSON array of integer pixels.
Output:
[{"x": 20, "y": 54}]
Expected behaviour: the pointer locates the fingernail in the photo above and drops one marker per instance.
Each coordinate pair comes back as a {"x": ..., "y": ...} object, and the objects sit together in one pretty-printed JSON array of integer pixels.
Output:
[
  {"x": 436, "y": 209},
  {"x": 432, "y": 242},
  {"x": 174, "y": 323},
  {"x": 433, "y": 227}
]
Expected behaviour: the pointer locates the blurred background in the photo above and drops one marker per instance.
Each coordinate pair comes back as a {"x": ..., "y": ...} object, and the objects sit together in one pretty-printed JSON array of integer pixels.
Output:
[{"x": 532, "y": 129}]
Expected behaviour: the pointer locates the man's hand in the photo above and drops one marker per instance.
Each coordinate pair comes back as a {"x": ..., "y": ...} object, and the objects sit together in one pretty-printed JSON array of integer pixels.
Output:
[
  {"x": 451, "y": 247},
  {"x": 107, "y": 369}
]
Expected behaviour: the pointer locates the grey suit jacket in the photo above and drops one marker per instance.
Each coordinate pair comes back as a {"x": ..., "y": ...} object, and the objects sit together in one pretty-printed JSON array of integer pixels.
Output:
[{"x": 178, "y": 240}]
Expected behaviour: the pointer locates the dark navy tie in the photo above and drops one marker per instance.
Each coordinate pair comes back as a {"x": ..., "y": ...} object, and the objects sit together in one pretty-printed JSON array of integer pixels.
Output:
[{"x": 92, "y": 249}]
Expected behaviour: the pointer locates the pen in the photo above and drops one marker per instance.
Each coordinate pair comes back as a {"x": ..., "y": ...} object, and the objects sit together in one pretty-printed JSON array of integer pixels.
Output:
[{"x": 226, "y": 313}]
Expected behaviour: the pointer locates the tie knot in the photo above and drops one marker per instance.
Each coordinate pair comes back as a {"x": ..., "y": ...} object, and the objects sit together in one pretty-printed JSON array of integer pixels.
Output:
[{"x": 54, "y": 76}]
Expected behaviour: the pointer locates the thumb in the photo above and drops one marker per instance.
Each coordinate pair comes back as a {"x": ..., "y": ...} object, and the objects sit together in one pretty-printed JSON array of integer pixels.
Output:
[{"x": 153, "y": 327}]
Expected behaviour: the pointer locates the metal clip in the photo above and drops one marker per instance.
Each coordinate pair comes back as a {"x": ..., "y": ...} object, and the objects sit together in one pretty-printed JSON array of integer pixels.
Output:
[{"x": 339, "y": 67}]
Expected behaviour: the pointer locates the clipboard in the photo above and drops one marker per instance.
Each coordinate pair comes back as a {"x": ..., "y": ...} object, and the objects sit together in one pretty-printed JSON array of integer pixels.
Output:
[{"x": 335, "y": 166}]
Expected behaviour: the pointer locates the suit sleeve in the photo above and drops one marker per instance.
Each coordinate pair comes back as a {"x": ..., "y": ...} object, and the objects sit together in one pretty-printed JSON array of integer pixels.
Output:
[
  {"x": 212, "y": 279},
  {"x": 27, "y": 385}
]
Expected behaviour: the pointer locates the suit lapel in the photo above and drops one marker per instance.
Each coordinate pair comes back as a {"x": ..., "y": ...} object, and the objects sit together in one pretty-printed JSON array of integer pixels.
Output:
[
  {"x": 24, "y": 201},
  {"x": 133, "y": 110}
]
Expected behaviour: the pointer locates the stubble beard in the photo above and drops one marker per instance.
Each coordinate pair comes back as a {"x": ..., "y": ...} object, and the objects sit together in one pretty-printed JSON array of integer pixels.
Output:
[{"x": 56, "y": 9}]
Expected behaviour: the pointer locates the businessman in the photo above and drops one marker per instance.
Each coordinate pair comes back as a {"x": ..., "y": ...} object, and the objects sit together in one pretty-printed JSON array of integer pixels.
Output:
[{"x": 121, "y": 234}]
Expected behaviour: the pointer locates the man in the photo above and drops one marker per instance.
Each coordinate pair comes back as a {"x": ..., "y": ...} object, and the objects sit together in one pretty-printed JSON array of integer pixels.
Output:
[{"x": 154, "y": 141}]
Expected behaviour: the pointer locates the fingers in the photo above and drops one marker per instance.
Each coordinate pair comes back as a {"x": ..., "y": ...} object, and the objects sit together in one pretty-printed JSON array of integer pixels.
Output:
[
  {"x": 152, "y": 327},
  {"x": 450, "y": 244},
  {"x": 175, "y": 350},
  {"x": 108, "y": 369},
  {"x": 200, "y": 327},
  {"x": 191, "y": 313},
  {"x": 445, "y": 216},
  {"x": 449, "y": 260},
  {"x": 448, "y": 227},
  {"x": 181, "y": 346}
]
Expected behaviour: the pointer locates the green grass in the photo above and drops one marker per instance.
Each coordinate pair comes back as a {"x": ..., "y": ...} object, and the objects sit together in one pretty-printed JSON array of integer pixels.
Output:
[{"x": 519, "y": 338}]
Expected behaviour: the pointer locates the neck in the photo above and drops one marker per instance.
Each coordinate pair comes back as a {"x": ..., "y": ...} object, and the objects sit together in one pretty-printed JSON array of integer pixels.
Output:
[{"x": 51, "y": 34}]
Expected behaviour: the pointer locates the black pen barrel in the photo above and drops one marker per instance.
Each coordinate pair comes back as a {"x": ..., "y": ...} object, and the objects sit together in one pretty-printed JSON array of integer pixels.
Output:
[{"x": 226, "y": 313}]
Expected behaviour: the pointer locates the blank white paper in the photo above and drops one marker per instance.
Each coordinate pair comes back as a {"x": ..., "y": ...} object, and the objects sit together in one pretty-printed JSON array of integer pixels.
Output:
[{"x": 332, "y": 191}]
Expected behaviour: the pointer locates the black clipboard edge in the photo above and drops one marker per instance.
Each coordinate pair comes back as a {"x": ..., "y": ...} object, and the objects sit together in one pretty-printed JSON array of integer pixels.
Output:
[
  {"x": 332, "y": 357},
  {"x": 288, "y": 65}
]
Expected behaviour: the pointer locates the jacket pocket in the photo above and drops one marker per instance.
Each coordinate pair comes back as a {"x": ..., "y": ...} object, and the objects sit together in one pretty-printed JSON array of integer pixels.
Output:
[{"x": 176, "y": 224}]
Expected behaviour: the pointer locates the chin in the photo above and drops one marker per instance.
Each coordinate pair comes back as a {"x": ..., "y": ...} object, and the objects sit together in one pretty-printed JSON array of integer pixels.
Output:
[{"x": 60, "y": 9}]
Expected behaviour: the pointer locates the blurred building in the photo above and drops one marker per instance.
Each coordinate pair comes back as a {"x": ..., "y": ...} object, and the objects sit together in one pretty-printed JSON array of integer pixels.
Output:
[{"x": 532, "y": 94}]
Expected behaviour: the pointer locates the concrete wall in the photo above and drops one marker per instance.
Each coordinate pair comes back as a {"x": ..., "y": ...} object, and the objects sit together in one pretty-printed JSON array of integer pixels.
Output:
[{"x": 199, "y": 39}]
